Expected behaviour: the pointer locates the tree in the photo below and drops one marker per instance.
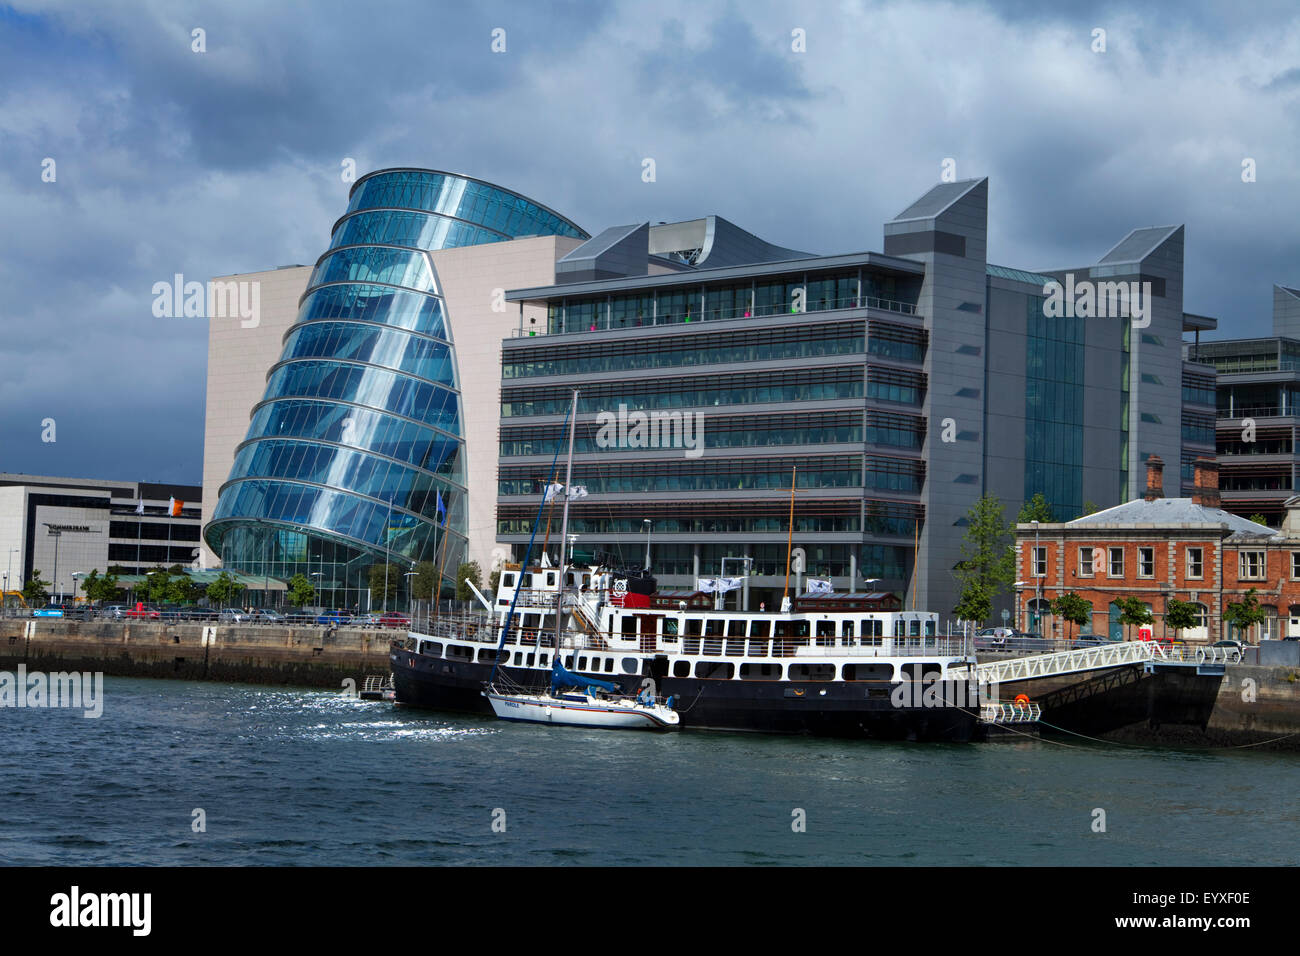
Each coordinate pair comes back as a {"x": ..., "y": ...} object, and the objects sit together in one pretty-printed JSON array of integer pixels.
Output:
[
  {"x": 154, "y": 587},
  {"x": 181, "y": 590},
  {"x": 1259, "y": 519},
  {"x": 1180, "y": 615},
  {"x": 425, "y": 583},
  {"x": 36, "y": 591},
  {"x": 1245, "y": 613},
  {"x": 1089, "y": 508},
  {"x": 99, "y": 589},
  {"x": 469, "y": 571},
  {"x": 301, "y": 592},
  {"x": 1035, "y": 509},
  {"x": 494, "y": 581},
  {"x": 1133, "y": 612},
  {"x": 381, "y": 575},
  {"x": 224, "y": 588},
  {"x": 988, "y": 565},
  {"x": 1073, "y": 609}
]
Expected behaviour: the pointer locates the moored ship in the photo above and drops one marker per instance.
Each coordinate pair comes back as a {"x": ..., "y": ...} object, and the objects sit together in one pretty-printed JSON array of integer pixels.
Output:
[{"x": 871, "y": 674}]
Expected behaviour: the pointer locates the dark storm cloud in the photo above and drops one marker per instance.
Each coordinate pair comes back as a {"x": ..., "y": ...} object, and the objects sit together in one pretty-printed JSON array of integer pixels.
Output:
[{"x": 229, "y": 161}]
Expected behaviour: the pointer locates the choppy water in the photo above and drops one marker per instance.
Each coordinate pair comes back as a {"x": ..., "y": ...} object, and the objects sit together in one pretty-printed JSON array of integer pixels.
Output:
[{"x": 309, "y": 777}]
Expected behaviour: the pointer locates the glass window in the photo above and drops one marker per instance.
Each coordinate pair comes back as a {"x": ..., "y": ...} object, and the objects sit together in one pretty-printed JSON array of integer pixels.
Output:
[
  {"x": 1146, "y": 562},
  {"x": 1085, "y": 562},
  {"x": 1116, "y": 562},
  {"x": 1251, "y": 564},
  {"x": 1196, "y": 562},
  {"x": 1040, "y": 562}
]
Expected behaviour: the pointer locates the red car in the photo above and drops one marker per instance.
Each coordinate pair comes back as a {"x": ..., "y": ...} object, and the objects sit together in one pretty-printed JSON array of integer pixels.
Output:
[
  {"x": 143, "y": 612},
  {"x": 393, "y": 619}
]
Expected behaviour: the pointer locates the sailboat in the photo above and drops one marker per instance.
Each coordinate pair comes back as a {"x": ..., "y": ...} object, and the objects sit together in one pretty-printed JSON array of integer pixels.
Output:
[{"x": 572, "y": 699}]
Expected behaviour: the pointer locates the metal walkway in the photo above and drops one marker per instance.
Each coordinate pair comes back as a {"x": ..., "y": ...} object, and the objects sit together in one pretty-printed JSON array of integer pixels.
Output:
[{"x": 1151, "y": 654}]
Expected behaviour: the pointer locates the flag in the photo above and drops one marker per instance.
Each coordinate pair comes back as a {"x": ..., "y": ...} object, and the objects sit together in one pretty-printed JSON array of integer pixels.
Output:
[
  {"x": 577, "y": 491},
  {"x": 708, "y": 585},
  {"x": 139, "y": 507},
  {"x": 720, "y": 585},
  {"x": 553, "y": 490},
  {"x": 442, "y": 511},
  {"x": 819, "y": 587},
  {"x": 574, "y": 492},
  {"x": 174, "y": 507}
]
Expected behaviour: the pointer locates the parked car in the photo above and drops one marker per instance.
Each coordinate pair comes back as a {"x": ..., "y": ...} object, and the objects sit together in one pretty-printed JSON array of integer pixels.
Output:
[
  {"x": 992, "y": 637},
  {"x": 114, "y": 612},
  {"x": 267, "y": 616},
  {"x": 394, "y": 619},
  {"x": 146, "y": 612},
  {"x": 200, "y": 614},
  {"x": 299, "y": 617},
  {"x": 334, "y": 617},
  {"x": 235, "y": 615}
]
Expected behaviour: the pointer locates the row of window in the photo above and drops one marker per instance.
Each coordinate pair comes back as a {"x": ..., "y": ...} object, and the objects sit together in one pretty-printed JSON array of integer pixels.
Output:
[
  {"x": 361, "y": 342},
  {"x": 725, "y": 475},
  {"x": 378, "y": 388},
  {"x": 418, "y": 230},
  {"x": 690, "y": 436},
  {"x": 338, "y": 467},
  {"x": 401, "y": 308},
  {"x": 1251, "y": 565},
  {"x": 404, "y": 267},
  {"x": 756, "y": 388},
  {"x": 731, "y": 348},
  {"x": 361, "y": 428}
]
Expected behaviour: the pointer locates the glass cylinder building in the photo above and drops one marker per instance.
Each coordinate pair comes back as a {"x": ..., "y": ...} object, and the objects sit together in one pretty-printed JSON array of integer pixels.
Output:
[{"x": 356, "y": 453}]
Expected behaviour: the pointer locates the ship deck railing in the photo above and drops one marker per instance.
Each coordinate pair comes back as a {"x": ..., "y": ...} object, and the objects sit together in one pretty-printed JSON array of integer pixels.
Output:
[
  {"x": 998, "y": 712},
  {"x": 484, "y": 631}
]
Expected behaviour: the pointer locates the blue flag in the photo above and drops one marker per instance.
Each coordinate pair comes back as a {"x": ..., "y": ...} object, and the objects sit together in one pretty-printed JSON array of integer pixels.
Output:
[{"x": 442, "y": 511}]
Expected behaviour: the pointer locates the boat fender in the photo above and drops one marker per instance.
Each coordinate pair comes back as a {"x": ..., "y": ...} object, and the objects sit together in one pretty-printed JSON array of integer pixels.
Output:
[{"x": 669, "y": 702}]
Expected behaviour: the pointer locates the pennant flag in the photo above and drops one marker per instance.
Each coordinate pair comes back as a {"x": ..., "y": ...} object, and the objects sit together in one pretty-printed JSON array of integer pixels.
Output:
[
  {"x": 139, "y": 507},
  {"x": 442, "y": 511},
  {"x": 174, "y": 507},
  {"x": 819, "y": 587}
]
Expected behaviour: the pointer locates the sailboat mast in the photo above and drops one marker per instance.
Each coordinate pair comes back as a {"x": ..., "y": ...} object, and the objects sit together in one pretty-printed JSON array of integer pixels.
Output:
[
  {"x": 564, "y": 528},
  {"x": 789, "y": 546}
]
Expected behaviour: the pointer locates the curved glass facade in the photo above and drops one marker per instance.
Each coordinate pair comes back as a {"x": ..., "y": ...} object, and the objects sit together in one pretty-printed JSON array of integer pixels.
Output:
[{"x": 358, "y": 436}]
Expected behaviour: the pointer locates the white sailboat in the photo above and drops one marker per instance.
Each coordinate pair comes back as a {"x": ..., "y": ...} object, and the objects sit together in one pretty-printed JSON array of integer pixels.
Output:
[{"x": 574, "y": 700}]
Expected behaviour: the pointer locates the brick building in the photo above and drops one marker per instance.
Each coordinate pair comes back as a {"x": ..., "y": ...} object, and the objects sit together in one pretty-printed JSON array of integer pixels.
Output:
[{"x": 1157, "y": 548}]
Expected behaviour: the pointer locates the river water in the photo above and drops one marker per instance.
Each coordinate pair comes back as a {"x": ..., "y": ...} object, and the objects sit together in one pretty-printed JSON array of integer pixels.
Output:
[{"x": 288, "y": 776}]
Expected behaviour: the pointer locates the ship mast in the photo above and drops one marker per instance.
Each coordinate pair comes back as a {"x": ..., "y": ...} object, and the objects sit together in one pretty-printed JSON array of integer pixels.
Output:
[
  {"x": 789, "y": 546},
  {"x": 564, "y": 529}
]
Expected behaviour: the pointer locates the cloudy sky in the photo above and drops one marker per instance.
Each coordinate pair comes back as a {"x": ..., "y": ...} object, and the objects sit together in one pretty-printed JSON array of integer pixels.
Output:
[{"x": 210, "y": 163}]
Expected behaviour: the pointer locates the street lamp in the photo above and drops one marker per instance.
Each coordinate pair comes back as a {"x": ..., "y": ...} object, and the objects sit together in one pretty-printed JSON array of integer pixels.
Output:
[
  {"x": 1018, "y": 586},
  {"x": 647, "y": 523},
  {"x": 410, "y": 592},
  {"x": 56, "y": 534},
  {"x": 76, "y": 576}
]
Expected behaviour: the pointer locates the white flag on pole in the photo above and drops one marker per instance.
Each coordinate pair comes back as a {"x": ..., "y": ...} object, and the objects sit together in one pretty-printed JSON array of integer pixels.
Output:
[
  {"x": 708, "y": 585},
  {"x": 577, "y": 491},
  {"x": 139, "y": 507},
  {"x": 553, "y": 490},
  {"x": 816, "y": 586}
]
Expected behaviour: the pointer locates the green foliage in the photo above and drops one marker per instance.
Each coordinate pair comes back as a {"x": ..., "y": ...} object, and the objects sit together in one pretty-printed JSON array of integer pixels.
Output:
[
  {"x": 1180, "y": 615},
  {"x": 181, "y": 590},
  {"x": 1089, "y": 508},
  {"x": 987, "y": 565},
  {"x": 1133, "y": 612},
  {"x": 1035, "y": 509},
  {"x": 224, "y": 588},
  {"x": 1245, "y": 613},
  {"x": 1259, "y": 519},
  {"x": 424, "y": 585},
  {"x": 494, "y": 582},
  {"x": 469, "y": 571},
  {"x": 378, "y": 580},
  {"x": 36, "y": 591},
  {"x": 301, "y": 591},
  {"x": 154, "y": 586},
  {"x": 1072, "y": 608},
  {"x": 100, "y": 589}
]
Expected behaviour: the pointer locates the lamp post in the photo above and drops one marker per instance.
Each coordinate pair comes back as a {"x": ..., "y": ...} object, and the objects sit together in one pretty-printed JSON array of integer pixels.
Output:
[
  {"x": 76, "y": 576},
  {"x": 410, "y": 591},
  {"x": 56, "y": 534},
  {"x": 647, "y": 523},
  {"x": 315, "y": 574},
  {"x": 1018, "y": 586}
]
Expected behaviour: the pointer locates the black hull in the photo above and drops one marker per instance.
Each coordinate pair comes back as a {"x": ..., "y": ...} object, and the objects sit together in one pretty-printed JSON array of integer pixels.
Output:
[{"x": 861, "y": 710}]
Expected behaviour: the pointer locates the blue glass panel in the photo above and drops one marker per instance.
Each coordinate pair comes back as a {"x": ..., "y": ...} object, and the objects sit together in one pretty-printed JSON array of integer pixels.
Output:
[{"x": 402, "y": 267}]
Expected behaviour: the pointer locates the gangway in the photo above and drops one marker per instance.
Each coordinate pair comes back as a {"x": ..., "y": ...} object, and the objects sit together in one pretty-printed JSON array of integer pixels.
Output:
[{"x": 1068, "y": 662}]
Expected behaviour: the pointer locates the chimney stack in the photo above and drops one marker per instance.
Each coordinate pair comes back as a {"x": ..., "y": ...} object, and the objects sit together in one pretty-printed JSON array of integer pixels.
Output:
[
  {"x": 1206, "y": 491},
  {"x": 1155, "y": 478}
]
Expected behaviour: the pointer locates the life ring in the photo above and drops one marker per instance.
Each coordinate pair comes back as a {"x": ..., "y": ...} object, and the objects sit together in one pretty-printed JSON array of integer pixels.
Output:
[{"x": 1022, "y": 700}]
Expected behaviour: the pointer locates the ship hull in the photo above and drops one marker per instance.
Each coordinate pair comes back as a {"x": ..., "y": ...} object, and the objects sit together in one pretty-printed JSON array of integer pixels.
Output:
[{"x": 858, "y": 709}]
